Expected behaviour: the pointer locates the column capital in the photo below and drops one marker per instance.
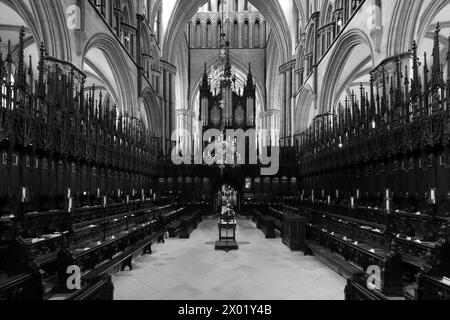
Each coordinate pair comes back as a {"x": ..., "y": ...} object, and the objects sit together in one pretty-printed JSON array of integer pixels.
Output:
[
  {"x": 315, "y": 16},
  {"x": 288, "y": 66},
  {"x": 168, "y": 67}
]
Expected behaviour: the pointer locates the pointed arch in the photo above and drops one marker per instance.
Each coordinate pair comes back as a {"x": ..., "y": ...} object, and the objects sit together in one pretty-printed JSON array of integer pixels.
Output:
[{"x": 337, "y": 63}]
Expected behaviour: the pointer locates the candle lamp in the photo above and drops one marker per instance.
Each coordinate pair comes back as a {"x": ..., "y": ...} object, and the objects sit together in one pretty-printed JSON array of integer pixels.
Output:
[
  {"x": 433, "y": 196},
  {"x": 388, "y": 206},
  {"x": 388, "y": 201},
  {"x": 70, "y": 206}
]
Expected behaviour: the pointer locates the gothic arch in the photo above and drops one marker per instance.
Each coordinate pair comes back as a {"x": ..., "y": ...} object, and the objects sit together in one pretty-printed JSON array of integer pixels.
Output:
[
  {"x": 303, "y": 110},
  {"x": 152, "y": 111},
  {"x": 184, "y": 10},
  {"x": 337, "y": 63},
  {"x": 401, "y": 31},
  {"x": 114, "y": 56},
  {"x": 54, "y": 35}
]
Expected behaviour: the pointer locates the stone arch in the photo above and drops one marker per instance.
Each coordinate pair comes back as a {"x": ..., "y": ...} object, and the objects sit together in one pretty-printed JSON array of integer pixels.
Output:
[
  {"x": 116, "y": 60},
  {"x": 401, "y": 31},
  {"x": 430, "y": 12},
  {"x": 54, "y": 35},
  {"x": 337, "y": 63},
  {"x": 130, "y": 6},
  {"x": 152, "y": 111},
  {"x": 184, "y": 10},
  {"x": 304, "y": 108}
]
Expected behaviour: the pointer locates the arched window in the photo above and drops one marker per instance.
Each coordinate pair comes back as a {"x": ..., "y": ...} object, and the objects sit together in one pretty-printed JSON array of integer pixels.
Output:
[
  {"x": 235, "y": 34},
  {"x": 208, "y": 35},
  {"x": 219, "y": 25},
  {"x": 198, "y": 34},
  {"x": 219, "y": 6},
  {"x": 257, "y": 37},
  {"x": 236, "y": 6},
  {"x": 209, "y": 6},
  {"x": 246, "y": 5},
  {"x": 246, "y": 34}
]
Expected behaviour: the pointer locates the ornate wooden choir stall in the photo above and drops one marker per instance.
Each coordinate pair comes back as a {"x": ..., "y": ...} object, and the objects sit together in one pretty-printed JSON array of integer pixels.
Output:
[
  {"x": 375, "y": 180},
  {"x": 76, "y": 182},
  {"x": 375, "y": 174}
]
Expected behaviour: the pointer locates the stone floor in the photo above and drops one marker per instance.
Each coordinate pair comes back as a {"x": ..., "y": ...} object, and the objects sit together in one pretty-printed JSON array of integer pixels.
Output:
[{"x": 260, "y": 270}]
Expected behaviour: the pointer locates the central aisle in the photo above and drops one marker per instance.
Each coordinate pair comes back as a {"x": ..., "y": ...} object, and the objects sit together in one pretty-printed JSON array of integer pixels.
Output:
[{"x": 260, "y": 270}]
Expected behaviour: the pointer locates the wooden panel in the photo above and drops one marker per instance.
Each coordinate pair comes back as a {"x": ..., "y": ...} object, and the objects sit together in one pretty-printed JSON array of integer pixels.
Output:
[
  {"x": 3, "y": 173},
  {"x": 275, "y": 185},
  {"x": 267, "y": 185}
]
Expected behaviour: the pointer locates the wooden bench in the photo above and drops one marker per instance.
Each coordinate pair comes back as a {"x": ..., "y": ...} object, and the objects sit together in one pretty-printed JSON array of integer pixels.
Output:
[
  {"x": 432, "y": 289},
  {"x": 23, "y": 287},
  {"x": 265, "y": 224},
  {"x": 278, "y": 217},
  {"x": 185, "y": 225},
  {"x": 357, "y": 291},
  {"x": 334, "y": 262},
  {"x": 99, "y": 290},
  {"x": 124, "y": 259},
  {"x": 190, "y": 224}
]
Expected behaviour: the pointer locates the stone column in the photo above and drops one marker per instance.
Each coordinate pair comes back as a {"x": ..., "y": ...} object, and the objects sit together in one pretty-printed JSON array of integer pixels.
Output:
[
  {"x": 164, "y": 108},
  {"x": 172, "y": 102},
  {"x": 289, "y": 102},
  {"x": 139, "y": 62},
  {"x": 251, "y": 29},
  {"x": 283, "y": 104}
]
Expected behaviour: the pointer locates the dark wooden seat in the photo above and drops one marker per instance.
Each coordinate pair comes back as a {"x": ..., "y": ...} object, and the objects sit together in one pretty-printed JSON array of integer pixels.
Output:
[
  {"x": 101, "y": 289},
  {"x": 265, "y": 224},
  {"x": 124, "y": 259},
  {"x": 334, "y": 262},
  {"x": 190, "y": 224},
  {"x": 185, "y": 225}
]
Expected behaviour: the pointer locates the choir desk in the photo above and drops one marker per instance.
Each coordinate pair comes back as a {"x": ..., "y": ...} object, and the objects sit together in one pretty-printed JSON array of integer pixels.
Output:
[{"x": 227, "y": 236}]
